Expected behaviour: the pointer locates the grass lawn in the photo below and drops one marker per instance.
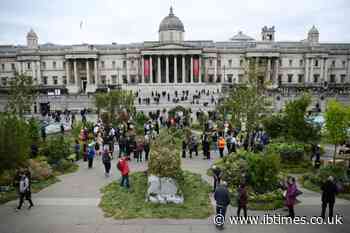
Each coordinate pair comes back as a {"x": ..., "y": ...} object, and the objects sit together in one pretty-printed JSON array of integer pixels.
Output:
[
  {"x": 119, "y": 203},
  {"x": 36, "y": 187}
]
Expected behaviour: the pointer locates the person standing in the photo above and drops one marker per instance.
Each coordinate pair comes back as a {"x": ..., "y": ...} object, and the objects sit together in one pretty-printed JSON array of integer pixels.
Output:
[
  {"x": 206, "y": 147},
  {"x": 139, "y": 150},
  {"x": 291, "y": 195},
  {"x": 222, "y": 198},
  {"x": 221, "y": 145},
  {"x": 242, "y": 200},
  {"x": 106, "y": 159},
  {"x": 77, "y": 149},
  {"x": 24, "y": 191},
  {"x": 123, "y": 167},
  {"x": 184, "y": 147},
  {"x": 91, "y": 155},
  {"x": 146, "y": 147},
  {"x": 329, "y": 191}
]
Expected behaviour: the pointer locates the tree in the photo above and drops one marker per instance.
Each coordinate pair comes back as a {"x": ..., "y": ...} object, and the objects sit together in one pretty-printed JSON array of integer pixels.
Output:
[
  {"x": 22, "y": 94},
  {"x": 337, "y": 123},
  {"x": 14, "y": 141},
  {"x": 247, "y": 102},
  {"x": 119, "y": 101}
]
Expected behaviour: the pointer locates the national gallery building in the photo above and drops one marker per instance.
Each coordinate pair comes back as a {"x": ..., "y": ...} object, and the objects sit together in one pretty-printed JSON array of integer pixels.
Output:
[{"x": 175, "y": 64}]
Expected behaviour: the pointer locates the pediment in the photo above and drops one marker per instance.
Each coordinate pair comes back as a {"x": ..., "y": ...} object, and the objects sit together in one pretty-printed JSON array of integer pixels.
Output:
[{"x": 171, "y": 46}]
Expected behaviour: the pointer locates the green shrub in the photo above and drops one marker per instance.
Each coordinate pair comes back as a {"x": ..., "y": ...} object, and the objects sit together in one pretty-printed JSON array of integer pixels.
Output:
[
  {"x": 289, "y": 152},
  {"x": 6, "y": 177},
  {"x": 56, "y": 148},
  {"x": 64, "y": 166}
]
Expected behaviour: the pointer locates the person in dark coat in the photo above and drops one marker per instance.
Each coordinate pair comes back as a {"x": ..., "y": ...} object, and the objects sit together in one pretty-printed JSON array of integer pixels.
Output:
[
  {"x": 184, "y": 147},
  {"x": 206, "y": 147},
  {"x": 217, "y": 176},
  {"x": 329, "y": 191},
  {"x": 222, "y": 198},
  {"x": 106, "y": 159},
  {"x": 242, "y": 200}
]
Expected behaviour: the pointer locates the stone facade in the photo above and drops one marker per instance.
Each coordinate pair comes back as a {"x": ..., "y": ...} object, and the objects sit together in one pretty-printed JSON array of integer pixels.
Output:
[{"x": 173, "y": 63}]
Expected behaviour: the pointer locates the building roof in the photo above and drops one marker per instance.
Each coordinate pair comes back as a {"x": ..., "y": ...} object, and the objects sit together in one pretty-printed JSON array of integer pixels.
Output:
[
  {"x": 171, "y": 22},
  {"x": 240, "y": 36}
]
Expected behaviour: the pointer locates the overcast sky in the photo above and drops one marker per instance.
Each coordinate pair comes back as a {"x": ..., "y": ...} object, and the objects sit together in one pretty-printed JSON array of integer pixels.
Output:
[{"x": 125, "y": 21}]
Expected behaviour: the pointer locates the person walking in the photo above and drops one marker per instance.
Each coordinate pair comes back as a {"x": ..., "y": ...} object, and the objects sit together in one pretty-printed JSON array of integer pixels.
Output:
[
  {"x": 217, "y": 176},
  {"x": 139, "y": 150},
  {"x": 206, "y": 147},
  {"x": 291, "y": 195},
  {"x": 106, "y": 159},
  {"x": 24, "y": 191},
  {"x": 222, "y": 198},
  {"x": 123, "y": 167},
  {"x": 221, "y": 145},
  {"x": 329, "y": 191},
  {"x": 90, "y": 155},
  {"x": 77, "y": 149},
  {"x": 242, "y": 200}
]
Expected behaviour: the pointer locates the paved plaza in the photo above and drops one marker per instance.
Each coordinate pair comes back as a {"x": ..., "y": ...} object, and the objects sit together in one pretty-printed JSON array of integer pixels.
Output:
[{"x": 71, "y": 206}]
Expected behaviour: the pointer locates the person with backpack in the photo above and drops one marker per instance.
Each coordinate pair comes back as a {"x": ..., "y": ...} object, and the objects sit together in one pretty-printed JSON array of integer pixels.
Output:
[
  {"x": 217, "y": 176},
  {"x": 24, "y": 191},
  {"x": 123, "y": 167},
  {"x": 329, "y": 191},
  {"x": 242, "y": 200},
  {"x": 106, "y": 159}
]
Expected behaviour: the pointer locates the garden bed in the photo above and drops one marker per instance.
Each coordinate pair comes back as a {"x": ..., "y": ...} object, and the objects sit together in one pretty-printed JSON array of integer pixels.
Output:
[{"x": 120, "y": 203}]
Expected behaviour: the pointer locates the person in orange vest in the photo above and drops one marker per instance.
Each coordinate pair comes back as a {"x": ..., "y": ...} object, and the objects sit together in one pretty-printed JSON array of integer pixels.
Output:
[{"x": 221, "y": 145}]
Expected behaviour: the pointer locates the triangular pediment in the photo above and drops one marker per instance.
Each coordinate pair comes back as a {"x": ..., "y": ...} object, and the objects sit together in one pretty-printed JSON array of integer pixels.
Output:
[{"x": 171, "y": 46}]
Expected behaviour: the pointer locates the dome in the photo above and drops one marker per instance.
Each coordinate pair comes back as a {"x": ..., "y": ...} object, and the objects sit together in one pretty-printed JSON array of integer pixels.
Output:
[
  {"x": 313, "y": 30},
  {"x": 31, "y": 33},
  {"x": 171, "y": 22}
]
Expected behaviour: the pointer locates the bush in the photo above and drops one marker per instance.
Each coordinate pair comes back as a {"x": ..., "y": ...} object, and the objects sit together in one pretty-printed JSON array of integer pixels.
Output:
[
  {"x": 259, "y": 170},
  {"x": 56, "y": 148},
  {"x": 165, "y": 163},
  {"x": 289, "y": 152},
  {"x": 39, "y": 169},
  {"x": 274, "y": 125},
  {"x": 6, "y": 177},
  {"x": 65, "y": 166},
  {"x": 14, "y": 141}
]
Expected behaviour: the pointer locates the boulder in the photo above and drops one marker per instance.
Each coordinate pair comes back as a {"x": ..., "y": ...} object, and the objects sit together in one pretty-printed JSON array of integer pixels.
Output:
[{"x": 163, "y": 190}]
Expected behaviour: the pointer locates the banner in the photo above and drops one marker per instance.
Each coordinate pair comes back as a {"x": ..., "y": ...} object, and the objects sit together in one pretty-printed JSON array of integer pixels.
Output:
[
  {"x": 196, "y": 67},
  {"x": 146, "y": 68}
]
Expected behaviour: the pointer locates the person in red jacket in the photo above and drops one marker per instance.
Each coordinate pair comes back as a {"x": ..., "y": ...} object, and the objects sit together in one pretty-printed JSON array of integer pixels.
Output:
[{"x": 123, "y": 167}]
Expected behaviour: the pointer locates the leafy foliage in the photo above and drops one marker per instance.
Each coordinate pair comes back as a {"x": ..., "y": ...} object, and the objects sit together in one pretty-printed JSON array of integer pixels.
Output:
[
  {"x": 22, "y": 94},
  {"x": 34, "y": 129},
  {"x": 289, "y": 152},
  {"x": 248, "y": 102},
  {"x": 55, "y": 149},
  {"x": 39, "y": 168},
  {"x": 337, "y": 123},
  {"x": 14, "y": 141}
]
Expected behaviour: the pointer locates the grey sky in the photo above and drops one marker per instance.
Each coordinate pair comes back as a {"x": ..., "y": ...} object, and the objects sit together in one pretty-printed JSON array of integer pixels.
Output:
[{"x": 125, "y": 21}]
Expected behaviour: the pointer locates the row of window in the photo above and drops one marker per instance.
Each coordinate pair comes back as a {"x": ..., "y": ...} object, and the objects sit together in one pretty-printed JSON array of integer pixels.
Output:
[{"x": 316, "y": 78}]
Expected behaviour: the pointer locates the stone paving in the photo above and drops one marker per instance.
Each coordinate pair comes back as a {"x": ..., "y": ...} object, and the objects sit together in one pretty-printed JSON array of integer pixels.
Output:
[{"x": 71, "y": 206}]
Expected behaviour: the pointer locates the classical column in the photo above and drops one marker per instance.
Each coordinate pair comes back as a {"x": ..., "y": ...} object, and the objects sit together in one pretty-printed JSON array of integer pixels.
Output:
[
  {"x": 200, "y": 70},
  {"x": 191, "y": 69},
  {"x": 75, "y": 73},
  {"x": 311, "y": 71},
  {"x": 325, "y": 70},
  {"x": 142, "y": 69},
  {"x": 321, "y": 73},
  {"x": 67, "y": 72},
  {"x": 127, "y": 71},
  {"x": 268, "y": 69},
  {"x": 95, "y": 71},
  {"x": 159, "y": 70},
  {"x": 307, "y": 70},
  {"x": 183, "y": 69},
  {"x": 33, "y": 72},
  {"x": 150, "y": 69},
  {"x": 167, "y": 68},
  {"x": 215, "y": 71},
  {"x": 175, "y": 69},
  {"x": 87, "y": 72},
  {"x": 277, "y": 63},
  {"x": 39, "y": 71}
]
